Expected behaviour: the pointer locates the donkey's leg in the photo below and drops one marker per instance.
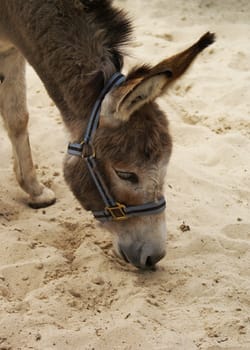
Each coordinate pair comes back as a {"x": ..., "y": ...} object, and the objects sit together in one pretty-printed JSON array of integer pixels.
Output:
[{"x": 14, "y": 111}]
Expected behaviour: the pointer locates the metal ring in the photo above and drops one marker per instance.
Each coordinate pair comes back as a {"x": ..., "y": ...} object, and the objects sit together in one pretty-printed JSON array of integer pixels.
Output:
[{"x": 88, "y": 150}]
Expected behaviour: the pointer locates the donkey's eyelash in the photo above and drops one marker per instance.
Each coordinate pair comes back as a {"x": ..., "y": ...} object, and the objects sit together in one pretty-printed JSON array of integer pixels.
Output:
[{"x": 127, "y": 176}]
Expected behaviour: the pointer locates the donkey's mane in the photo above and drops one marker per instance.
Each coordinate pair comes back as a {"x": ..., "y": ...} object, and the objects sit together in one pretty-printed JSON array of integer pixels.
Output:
[
  {"x": 116, "y": 23},
  {"x": 114, "y": 27}
]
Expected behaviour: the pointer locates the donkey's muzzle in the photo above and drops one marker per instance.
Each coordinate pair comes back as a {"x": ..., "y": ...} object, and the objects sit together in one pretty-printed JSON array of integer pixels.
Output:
[{"x": 143, "y": 256}]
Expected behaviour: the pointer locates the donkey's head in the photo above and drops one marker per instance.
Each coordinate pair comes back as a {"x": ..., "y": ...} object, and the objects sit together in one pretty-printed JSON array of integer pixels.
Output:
[{"x": 132, "y": 149}]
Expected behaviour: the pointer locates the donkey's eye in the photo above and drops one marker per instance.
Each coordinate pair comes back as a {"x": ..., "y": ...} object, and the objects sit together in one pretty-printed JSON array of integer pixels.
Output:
[{"x": 127, "y": 176}]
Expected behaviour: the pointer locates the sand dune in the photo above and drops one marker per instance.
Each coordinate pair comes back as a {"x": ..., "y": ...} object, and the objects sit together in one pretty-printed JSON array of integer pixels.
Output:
[{"x": 62, "y": 288}]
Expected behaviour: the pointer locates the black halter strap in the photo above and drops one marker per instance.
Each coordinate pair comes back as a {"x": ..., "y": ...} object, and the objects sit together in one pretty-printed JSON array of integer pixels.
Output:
[{"x": 113, "y": 210}]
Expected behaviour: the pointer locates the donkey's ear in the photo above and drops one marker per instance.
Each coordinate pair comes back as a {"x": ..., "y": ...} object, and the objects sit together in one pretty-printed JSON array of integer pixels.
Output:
[
  {"x": 146, "y": 84},
  {"x": 122, "y": 101},
  {"x": 142, "y": 90}
]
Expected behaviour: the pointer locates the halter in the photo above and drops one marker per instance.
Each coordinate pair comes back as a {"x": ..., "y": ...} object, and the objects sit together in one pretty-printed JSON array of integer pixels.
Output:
[{"x": 113, "y": 210}]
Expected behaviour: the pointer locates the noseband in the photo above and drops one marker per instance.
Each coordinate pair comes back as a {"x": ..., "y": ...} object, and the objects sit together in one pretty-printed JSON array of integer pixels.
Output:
[{"x": 113, "y": 210}]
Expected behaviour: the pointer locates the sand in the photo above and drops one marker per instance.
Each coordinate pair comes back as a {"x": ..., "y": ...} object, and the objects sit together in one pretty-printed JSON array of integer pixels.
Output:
[{"x": 61, "y": 287}]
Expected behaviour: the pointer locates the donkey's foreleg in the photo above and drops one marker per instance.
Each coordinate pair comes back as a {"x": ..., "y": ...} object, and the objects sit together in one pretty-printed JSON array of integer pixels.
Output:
[
  {"x": 40, "y": 196},
  {"x": 14, "y": 111}
]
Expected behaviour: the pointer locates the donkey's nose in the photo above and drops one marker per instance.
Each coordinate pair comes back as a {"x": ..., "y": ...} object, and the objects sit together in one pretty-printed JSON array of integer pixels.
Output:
[{"x": 143, "y": 256}]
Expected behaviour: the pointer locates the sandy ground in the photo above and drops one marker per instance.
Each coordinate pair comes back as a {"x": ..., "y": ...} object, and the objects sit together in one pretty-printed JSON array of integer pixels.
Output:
[{"x": 61, "y": 286}]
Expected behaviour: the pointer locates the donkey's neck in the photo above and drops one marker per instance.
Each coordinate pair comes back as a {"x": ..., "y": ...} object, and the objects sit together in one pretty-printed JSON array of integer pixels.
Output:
[{"x": 73, "y": 51}]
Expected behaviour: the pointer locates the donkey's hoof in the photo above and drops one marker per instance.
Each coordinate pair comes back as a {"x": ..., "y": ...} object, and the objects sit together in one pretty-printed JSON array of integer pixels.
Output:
[{"x": 45, "y": 199}]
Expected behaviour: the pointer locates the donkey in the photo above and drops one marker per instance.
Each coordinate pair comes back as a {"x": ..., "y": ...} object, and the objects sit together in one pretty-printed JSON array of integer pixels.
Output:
[{"x": 117, "y": 163}]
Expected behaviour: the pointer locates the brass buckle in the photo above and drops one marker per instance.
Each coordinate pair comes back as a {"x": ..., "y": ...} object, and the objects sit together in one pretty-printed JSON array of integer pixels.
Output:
[{"x": 117, "y": 212}]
